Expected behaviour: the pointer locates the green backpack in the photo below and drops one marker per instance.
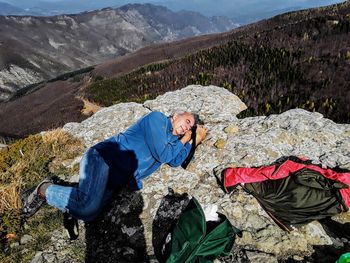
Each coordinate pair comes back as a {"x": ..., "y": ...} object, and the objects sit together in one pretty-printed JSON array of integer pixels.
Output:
[{"x": 195, "y": 240}]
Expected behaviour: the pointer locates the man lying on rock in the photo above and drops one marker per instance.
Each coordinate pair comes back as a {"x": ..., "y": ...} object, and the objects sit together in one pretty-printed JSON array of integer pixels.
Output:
[{"x": 118, "y": 162}]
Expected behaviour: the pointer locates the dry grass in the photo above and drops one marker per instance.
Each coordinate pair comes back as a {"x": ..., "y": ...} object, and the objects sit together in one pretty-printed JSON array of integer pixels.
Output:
[
  {"x": 89, "y": 107},
  {"x": 25, "y": 163},
  {"x": 10, "y": 196}
]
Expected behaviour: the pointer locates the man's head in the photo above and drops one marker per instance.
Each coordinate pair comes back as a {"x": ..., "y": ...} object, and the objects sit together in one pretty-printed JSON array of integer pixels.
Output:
[{"x": 182, "y": 122}]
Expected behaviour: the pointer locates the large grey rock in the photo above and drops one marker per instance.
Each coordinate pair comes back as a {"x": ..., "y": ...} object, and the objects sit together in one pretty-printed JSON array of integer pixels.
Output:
[
  {"x": 213, "y": 104},
  {"x": 128, "y": 227}
]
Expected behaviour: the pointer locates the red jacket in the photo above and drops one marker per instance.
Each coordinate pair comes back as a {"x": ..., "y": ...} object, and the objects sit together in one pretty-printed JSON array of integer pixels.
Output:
[{"x": 234, "y": 176}]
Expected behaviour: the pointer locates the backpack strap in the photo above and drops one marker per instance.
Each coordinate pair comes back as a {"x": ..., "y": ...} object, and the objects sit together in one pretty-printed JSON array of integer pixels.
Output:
[{"x": 188, "y": 159}]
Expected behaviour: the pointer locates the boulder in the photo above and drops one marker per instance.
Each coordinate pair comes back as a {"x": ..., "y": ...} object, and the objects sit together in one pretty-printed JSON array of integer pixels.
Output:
[{"x": 131, "y": 225}]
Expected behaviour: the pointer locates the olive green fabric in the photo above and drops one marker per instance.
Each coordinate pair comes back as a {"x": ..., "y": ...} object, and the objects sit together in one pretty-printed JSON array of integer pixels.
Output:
[
  {"x": 299, "y": 198},
  {"x": 195, "y": 240}
]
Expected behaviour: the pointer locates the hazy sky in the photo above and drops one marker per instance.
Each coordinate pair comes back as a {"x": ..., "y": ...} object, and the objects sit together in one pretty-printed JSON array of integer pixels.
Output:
[
  {"x": 236, "y": 9},
  {"x": 217, "y": 3}
]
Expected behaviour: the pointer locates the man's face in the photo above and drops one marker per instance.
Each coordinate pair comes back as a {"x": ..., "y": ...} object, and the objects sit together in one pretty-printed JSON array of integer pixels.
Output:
[{"x": 182, "y": 123}]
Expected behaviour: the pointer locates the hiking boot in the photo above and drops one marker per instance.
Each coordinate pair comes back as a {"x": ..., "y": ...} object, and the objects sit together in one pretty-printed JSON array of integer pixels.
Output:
[
  {"x": 32, "y": 201},
  {"x": 71, "y": 226}
]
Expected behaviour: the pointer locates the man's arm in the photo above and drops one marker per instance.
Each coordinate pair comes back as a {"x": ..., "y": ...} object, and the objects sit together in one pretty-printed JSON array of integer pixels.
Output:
[
  {"x": 156, "y": 137},
  {"x": 181, "y": 157},
  {"x": 201, "y": 133}
]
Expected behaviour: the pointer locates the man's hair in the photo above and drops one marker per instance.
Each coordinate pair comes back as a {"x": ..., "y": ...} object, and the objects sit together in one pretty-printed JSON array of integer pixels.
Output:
[
  {"x": 197, "y": 119},
  {"x": 179, "y": 113}
]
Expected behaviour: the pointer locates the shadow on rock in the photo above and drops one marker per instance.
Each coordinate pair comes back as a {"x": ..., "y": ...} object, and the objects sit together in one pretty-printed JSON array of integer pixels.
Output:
[
  {"x": 340, "y": 236},
  {"x": 335, "y": 229},
  {"x": 326, "y": 254},
  {"x": 167, "y": 214},
  {"x": 117, "y": 235},
  {"x": 322, "y": 254}
]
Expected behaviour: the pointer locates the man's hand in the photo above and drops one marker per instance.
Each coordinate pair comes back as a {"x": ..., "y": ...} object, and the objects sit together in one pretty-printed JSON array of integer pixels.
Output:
[
  {"x": 187, "y": 137},
  {"x": 201, "y": 133}
]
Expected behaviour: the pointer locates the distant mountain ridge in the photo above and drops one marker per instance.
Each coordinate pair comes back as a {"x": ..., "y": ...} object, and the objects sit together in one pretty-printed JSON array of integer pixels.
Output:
[
  {"x": 6, "y": 9},
  {"x": 158, "y": 15},
  {"x": 243, "y": 12},
  {"x": 295, "y": 60},
  {"x": 36, "y": 48}
]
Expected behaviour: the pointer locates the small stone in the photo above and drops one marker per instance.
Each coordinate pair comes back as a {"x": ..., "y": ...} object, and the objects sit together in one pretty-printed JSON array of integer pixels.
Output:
[
  {"x": 231, "y": 129},
  {"x": 37, "y": 258},
  {"x": 220, "y": 144},
  {"x": 260, "y": 257},
  {"x": 14, "y": 244},
  {"x": 24, "y": 251},
  {"x": 298, "y": 258},
  {"x": 50, "y": 258},
  {"x": 25, "y": 239}
]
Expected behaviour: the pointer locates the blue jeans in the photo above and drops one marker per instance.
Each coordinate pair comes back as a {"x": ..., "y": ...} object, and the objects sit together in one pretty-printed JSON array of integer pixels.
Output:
[{"x": 86, "y": 201}]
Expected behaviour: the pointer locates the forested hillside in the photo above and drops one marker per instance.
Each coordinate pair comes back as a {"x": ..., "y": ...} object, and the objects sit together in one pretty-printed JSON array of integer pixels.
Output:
[{"x": 300, "y": 59}]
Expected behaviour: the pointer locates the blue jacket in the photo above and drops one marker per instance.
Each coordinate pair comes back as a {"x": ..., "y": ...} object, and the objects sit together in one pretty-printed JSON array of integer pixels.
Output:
[{"x": 141, "y": 149}]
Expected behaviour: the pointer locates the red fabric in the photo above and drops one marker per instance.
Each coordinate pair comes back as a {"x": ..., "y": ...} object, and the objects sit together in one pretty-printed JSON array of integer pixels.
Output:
[{"x": 233, "y": 176}]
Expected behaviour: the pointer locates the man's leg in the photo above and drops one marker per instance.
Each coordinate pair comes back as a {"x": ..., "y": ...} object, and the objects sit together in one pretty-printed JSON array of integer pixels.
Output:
[{"x": 85, "y": 201}]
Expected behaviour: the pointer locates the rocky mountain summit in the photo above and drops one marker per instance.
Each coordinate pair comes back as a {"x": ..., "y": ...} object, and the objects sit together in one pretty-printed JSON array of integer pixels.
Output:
[
  {"x": 130, "y": 228},
  {"x": 33, "y": 49}
]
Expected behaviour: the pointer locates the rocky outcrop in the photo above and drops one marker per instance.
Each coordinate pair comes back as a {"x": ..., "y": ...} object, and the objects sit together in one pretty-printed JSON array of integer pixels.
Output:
[{"x": 130, "y": 226}]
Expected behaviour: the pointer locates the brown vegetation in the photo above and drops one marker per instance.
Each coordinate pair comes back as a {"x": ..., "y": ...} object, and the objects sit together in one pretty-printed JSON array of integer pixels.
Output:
[{"x": 49, "y": 107}]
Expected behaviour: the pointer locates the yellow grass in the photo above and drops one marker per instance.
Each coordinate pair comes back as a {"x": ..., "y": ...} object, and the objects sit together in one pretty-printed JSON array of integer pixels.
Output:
[
  {"x": 25, "y": 163},
  {"x": 89, "y": 107},
  {"x": 9, "y": 196}
]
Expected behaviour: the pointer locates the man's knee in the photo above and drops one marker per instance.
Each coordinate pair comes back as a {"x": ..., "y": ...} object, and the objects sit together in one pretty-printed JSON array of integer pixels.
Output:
[{"x": 89, "y": 210}]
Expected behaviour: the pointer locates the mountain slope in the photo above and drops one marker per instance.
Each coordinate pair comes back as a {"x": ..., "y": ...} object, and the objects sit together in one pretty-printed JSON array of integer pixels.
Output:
[
  {"x": 37, "y": 48},
  {"x": 6, "y": 8},
  {"x": 298, "y": 59}
]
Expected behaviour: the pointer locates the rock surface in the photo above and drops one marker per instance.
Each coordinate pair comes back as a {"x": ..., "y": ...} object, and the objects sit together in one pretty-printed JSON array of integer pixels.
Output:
[{"x": 129, "y": 229}]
